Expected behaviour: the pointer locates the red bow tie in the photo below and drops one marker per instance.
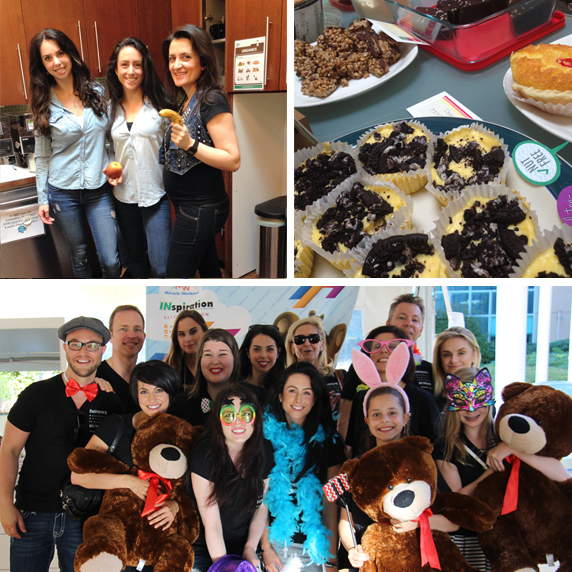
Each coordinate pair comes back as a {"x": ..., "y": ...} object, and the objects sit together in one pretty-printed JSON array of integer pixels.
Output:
[
  {"x": 428, "y": 549},
  {"x": 153, "y": 499},
  {"x": 90, "y": 390}
]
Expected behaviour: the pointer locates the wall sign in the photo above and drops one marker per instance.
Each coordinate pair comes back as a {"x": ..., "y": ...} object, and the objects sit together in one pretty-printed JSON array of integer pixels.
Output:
[{"x": 249, "y": 64}]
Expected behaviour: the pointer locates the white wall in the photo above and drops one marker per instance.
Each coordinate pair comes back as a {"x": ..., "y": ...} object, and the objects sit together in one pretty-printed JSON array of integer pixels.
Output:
[{"x": 260, "y": 120}]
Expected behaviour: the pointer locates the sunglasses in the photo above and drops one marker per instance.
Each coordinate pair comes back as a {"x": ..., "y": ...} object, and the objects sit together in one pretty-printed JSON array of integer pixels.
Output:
[
  {"x": 312, "y": 338},
  {"x": 246, "y": 413},
  {"x": 374, "y": 346},
  {"x": 263, "y": 327}
]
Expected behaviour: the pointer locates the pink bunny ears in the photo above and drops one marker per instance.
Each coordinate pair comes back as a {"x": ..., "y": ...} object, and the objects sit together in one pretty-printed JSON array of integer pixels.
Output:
[{"x": 396, "y": 367}]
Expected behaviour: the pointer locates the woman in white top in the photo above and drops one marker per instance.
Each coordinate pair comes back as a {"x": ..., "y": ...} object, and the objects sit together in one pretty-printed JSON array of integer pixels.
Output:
[{"x": 137, "y": 130}]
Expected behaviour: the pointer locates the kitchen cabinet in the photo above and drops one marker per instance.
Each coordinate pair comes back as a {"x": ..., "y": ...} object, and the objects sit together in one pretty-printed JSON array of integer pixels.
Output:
[
  {"x": 14, "y": 79},
  {"x": 251, "y": 20},
  {"x": 107, "y": 22},
  {"x": 185, "y": 12}
]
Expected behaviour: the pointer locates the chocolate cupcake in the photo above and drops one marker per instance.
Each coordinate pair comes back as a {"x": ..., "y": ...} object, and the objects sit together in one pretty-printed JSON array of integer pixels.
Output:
[
  {"x": 399, "y": 153},
  {"x": 468, "y": 155},
  {"x": 485, "y": 232},
  {"x": 400, "y": 255}
]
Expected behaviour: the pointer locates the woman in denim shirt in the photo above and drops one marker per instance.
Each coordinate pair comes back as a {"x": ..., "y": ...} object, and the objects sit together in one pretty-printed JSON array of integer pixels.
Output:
[
  {"x": 70, "y": 120},
  {"x": 196, "y": 153},
  {"x": 143, "y": 212}
]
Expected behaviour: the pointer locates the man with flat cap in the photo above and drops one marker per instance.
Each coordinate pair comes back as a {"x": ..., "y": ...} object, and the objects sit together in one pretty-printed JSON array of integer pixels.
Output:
[{"x": 49, "y": 420}]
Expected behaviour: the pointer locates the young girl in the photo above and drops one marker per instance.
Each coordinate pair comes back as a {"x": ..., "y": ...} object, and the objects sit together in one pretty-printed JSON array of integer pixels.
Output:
[
  {"x": 188, "y": 331},
  {"x": 70, "y": 119},
  {"x": 196, "y": 153},
  {"x": 229, "y": 473},
  {"x": 307, "y": 453},
  {"x": 387, "y": 413},
  {"x": 262, "y": 355},
  {"x": 142, "y": 207},
  {"x": 454, "y": 348}
]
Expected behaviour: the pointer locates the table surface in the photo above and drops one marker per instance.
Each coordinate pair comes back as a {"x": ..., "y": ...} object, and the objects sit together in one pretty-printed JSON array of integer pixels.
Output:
[{"x": 480, "y": 90}]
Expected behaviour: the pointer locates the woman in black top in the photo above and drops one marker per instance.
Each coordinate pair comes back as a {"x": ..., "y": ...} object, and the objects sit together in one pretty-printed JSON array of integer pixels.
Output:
[
  {"x": 152, "y": 384},
  {"x": 186, "y": 335},
  {"x": 229, "y": 474},
  {"x": 196, "y": 153}
]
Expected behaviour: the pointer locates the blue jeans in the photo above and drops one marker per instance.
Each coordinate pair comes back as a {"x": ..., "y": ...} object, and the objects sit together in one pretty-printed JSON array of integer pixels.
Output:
[
  {"x": 44, "y": 531},
  {"x": 73, "y": 210},
  {"x": 145, "y": 230},
  {"x": 193, "y": 245}
]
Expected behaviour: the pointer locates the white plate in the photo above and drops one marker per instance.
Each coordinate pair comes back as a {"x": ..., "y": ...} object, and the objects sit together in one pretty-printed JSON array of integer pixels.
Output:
[
  {"x": 356, "y": 86},
  {"x": 558, "y": 125}
]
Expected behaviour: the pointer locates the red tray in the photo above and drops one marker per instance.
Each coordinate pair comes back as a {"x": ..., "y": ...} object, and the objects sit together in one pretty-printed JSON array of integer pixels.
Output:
[{"x": 557, "y": 22}]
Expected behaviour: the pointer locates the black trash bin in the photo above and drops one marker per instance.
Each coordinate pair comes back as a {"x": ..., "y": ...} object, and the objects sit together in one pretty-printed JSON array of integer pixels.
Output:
[{"x": 271, "y": 218}]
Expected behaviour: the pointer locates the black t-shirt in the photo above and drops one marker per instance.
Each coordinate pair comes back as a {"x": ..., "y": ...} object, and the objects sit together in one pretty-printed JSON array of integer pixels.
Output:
[
  {"x": 120, "y": 386},
  {"x": 108, "y": 430},
  {"x": 468, "y": 472},
  {"x": 203, "y": 184},
  {"x": 234, "y": 526},
  {"x": 424, "y": 375},
  {"x": 56, "y": 427},
  {"x": 424, "y": 418}
]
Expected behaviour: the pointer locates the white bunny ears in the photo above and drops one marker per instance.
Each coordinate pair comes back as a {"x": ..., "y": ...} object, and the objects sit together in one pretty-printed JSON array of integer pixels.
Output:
[{"x": 396, "y": 366}]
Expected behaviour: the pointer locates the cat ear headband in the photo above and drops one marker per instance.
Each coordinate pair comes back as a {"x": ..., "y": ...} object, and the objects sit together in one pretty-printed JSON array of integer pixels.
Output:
[
  {"x": 396, "y": 366},
  {"x": 470, "y": 395}
]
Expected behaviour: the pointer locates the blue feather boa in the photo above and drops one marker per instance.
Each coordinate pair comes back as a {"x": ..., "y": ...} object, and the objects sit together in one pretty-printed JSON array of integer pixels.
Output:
[{"x": 296, "y": 507}]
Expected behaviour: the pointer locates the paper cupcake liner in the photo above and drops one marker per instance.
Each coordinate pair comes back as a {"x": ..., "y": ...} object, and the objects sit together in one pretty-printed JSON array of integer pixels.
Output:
[
  {"x": 487, "y": 191},
  {"x": 303, "y": 155},
  {"x": 303, "y": 261},
  {"x": 411, "y": 181},
  {"x": 444, "y": 197},
  {"x": 357, "y": 265},
  {"x": 544, "y": 243},
  {"x": 553, "y": 108},
  {"x": 343, "y": 260}
]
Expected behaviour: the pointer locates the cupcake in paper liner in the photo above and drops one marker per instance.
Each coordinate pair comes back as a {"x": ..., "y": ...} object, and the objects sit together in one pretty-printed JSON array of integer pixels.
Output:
[
  {"x": 319, "y": 170},
  {"x": 401, "y": 255},
  {"x": 465, "y": 156},
  {"x": 484, "y": 232},
  {"x": 553, "y": 108},
  {"x": 399, "y": 153},
  {"x": 550, "y": 257},
  {"x": 345, "y": 221},
  {"x": 303, "y": 260}
]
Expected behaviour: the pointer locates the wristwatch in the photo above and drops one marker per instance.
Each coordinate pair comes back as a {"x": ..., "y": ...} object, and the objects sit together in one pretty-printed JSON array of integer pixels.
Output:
[{"x": 193, "y": 148}]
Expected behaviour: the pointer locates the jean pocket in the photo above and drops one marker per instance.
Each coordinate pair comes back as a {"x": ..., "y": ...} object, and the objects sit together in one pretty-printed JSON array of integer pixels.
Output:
[
  {"x": 186, "y": 228},
  {"x": 220, "y": 216}
]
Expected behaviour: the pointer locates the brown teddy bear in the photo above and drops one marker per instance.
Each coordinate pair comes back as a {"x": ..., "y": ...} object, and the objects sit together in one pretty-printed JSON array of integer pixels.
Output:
[
  {"x": 534, "y": 419},
  {"x": 399, "y": 480},
  {"x": 119, "y": 536}
]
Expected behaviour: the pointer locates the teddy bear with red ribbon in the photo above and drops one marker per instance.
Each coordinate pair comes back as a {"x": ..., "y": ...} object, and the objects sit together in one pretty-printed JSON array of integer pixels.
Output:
[
  {"x": 534, "y": 524},
  {"x": 120, "y": 535}
]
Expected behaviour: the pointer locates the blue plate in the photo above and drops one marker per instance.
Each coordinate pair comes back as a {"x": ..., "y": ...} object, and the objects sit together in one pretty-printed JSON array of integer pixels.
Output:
[{"x": 511, "y": 138}]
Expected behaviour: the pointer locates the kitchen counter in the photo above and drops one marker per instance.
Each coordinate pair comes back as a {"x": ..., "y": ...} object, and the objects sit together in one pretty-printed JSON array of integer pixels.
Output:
[
  {"x": 13, "y": 177},
  {"x": 481, "y": 91}
]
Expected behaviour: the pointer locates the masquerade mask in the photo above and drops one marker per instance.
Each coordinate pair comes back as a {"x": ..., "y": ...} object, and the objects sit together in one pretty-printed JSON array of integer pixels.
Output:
[
  {"x": 470, "y": 395},
  {"x": 312, "y": 338},
  {"x": 374, "y": 346},
  {"x": 246, "y": 414}
]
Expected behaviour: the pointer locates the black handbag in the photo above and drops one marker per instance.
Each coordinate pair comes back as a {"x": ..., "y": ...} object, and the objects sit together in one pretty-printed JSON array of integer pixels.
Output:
[{"x": 80, "y": 503}]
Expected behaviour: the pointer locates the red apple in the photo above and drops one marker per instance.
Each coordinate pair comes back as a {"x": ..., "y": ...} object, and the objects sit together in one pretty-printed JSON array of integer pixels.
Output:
[{"x": 114, "y": 170}]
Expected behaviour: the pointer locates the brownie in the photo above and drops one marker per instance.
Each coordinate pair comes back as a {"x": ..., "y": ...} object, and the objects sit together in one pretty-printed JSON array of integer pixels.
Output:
[
  {"x": 461, "y": 12},
  {"x": 486, "y": 247},
  {"x": 393, "y": 154},
  {"x": 394, "y": 251},
  {"x": 318, "y": 176},
  {"x": 486, "y": 166},
  {"x": 343, "y": 222}
]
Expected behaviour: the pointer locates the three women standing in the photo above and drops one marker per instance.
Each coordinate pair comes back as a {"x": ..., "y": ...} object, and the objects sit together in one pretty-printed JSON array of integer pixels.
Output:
[
  {"x": 70, "y": 120},
  {"x": 196, "y": 153}
]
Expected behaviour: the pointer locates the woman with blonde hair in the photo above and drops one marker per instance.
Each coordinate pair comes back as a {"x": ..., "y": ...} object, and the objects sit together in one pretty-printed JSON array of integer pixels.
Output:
[
  {"x": 306, "y": 341},
  {"x": 454, "y": 348},
  {"x": 186, "y": 335}
]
